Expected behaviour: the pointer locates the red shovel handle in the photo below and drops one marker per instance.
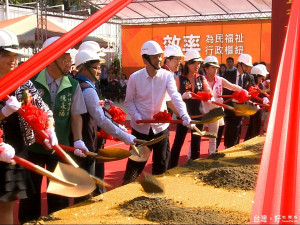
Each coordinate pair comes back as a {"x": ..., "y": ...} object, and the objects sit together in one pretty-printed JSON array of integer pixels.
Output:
[
  {"x": 159, "y": 121},
  {"x": 72, "y": 149},
  {"x": 224, "y": 96},
  {"x": 23, "y": 162}
]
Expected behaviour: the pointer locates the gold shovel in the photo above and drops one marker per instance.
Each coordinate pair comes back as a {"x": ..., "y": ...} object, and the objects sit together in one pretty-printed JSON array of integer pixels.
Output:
[
  {"x": 75, "y": 185},
  {"x": 85, "y": 185},
  {"x": 238, "y": 109},
  {"x": 104, "y": 155},
  {"x": 204, "y": 133},
  {"x": 213, "y": 115},
  {"x": 141, "y": 153},
  {"x": 112, "y": 154},
  {"x": 40, "y": 170},
  {"x": 244, "y": 110}
]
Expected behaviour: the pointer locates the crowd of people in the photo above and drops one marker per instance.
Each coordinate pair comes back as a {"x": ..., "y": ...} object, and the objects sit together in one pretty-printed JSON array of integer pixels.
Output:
[{"x": 75, "y": 115}]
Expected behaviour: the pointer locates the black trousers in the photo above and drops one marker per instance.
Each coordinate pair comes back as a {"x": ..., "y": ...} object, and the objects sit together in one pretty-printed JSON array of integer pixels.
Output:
[
  {"x": 30, "y": 208},
  {"x": 220, "y": 134},
  {"x": 181, "y": 132},
  {"x": 99, "y": 169},
  {"x": 254, "y": 125},
  {"x": 160, "y": 158},
  {"x": 232, "y": 131}
]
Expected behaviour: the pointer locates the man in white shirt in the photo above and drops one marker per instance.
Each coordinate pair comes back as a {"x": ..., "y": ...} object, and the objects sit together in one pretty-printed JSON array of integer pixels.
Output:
[{"x": 145, "y": 97}]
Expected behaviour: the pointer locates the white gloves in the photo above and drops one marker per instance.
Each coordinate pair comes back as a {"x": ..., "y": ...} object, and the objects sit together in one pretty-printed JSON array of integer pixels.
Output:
[
  {"x": 265, "y": 100},
  {"x": 129, "y": 139},
  {"x": 79, "y": 144},
  {"x": 7, "y": 153},
  {"x": 122, "y": 127},
  {"x": 186, "y": 95},
  {"x": 11, "y": 105},
  {"x": 186, "y": 121},
  {"x": 52, "y": 136}
]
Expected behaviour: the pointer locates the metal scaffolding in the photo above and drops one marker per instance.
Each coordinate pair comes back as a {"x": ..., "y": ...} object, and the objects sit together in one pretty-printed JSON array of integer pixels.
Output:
[
  {"x": 183, "y": 11},
  {"x": 41, "y": 31}
]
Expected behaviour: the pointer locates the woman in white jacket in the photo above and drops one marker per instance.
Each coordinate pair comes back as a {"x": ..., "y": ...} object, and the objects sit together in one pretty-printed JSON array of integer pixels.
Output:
[{"x": 217, "y": 84}]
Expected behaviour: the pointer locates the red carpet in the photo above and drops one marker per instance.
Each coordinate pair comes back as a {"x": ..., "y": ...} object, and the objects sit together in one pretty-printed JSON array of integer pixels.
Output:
[{"x": 114, "y": 171}]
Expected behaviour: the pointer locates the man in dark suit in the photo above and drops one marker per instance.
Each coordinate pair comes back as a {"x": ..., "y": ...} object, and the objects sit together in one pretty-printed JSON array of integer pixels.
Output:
[{"x": 241, "y": 77}]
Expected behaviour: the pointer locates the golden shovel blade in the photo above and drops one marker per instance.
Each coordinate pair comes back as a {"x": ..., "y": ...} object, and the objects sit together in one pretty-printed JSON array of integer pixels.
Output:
[
  {"x": 152, "y": 141},
  {"x": 206, "y": 134},
  {"x": 144, "y": 152},
  {"x": 213, "y": 115},
  {"x": 112, "y": 154},
  {"x": 151, "y": 185},
  {"x": 244, "y": 110},
  {"x": 85, "y": 185}
]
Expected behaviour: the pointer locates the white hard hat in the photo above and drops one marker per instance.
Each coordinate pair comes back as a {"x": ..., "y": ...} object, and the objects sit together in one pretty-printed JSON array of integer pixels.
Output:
[
  {"x": 84, "y": 56},
  {"x": 246, "y": 59},
  {"x": 151, "y": 48},
  {"x": 92, "y": 46},
  {"x": 192, "y": 55},
  {"x": 49, "y": 41},
  {"x": 212, "y": 61},
  {"x": 264, "y": 68},
  {"x": 89, "y": 45},
  {"x": 259, "y": 69},
  {"x": 9, "y": 41},
  {"x": 173, "y": 50}
]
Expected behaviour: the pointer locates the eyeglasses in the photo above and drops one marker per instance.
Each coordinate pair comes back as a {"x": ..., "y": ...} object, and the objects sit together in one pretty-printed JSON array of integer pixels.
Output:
[{"x": 66, "y": 61}]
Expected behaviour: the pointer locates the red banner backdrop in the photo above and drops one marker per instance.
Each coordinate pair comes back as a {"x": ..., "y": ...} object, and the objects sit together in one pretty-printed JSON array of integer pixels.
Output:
[
  {"x": 277, "y": 195},
  {"x": 35, "y": 64},
  {"x": 222, "y": 39}
]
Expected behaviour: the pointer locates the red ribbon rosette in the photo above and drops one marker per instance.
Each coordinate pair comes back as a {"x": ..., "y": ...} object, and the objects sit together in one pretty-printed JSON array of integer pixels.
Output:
[
  {"x": 254, "y": 92},
  {"x": 162, "y": 116},
  {"x": 241, "y": 96},
  {"x": 204, "y": 96},
  {"x": 117, "y": 114},
  {"x": 34, "y": 115}
]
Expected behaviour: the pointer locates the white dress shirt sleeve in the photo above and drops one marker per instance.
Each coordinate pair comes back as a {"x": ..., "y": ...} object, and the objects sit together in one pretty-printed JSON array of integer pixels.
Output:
[
  {"x": 230, "y": 86},
  {"x": 95, "y": 110}
]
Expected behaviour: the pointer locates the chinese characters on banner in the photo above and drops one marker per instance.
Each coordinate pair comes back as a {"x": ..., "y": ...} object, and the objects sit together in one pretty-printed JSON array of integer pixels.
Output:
[
  {"x": 221, "y": 39},
  {"x": 218, "y": 44}
]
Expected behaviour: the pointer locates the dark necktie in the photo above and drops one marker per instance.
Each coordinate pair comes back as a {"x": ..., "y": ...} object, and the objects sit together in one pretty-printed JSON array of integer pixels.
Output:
[{"x": 240, "y": 81}]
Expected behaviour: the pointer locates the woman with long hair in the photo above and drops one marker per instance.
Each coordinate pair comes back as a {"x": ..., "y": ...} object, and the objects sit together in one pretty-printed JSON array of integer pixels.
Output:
[{"x": 189, "y": 81}]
